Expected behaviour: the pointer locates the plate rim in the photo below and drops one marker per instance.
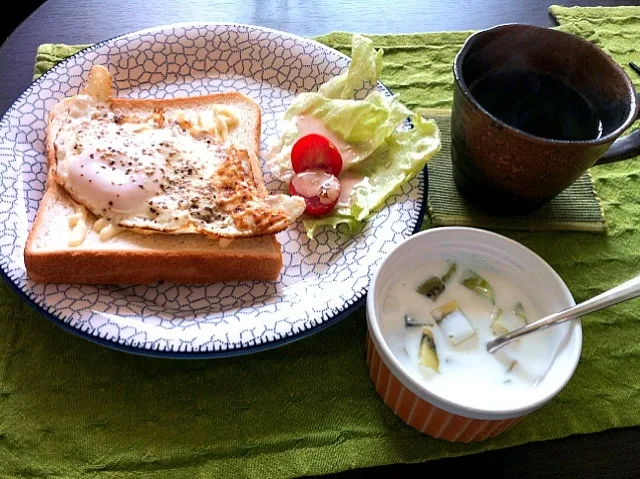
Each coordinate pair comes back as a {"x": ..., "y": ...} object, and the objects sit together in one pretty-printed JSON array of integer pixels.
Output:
[{"x": 285, "y": 339}]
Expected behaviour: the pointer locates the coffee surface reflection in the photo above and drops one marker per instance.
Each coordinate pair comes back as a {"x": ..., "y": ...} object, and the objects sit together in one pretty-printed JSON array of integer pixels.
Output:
[{"x": 537, "y": 104}]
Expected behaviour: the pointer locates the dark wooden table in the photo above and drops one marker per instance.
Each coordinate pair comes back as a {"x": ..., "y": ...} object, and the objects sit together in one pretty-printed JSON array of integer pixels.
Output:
[{"x": 611, "y": 454}]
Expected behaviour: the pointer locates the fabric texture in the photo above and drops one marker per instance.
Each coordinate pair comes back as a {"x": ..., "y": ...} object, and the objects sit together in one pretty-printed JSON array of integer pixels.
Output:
[
  {"x": 70, "y": 408},
  {"x": 575, "y": 209}
]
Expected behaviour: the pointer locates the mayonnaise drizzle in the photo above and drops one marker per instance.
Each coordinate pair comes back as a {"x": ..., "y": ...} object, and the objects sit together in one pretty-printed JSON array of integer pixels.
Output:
[
  {"x": 78, "y": 226},
  {"x": 318, "y": 183},
  {"x": 105, "y": 229}
]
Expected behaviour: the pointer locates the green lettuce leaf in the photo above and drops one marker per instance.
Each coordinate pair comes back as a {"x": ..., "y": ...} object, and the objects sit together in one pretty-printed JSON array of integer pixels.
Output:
[
  {"x": 364, "y": 71},
  {"x": 364, "y": 124},
  {"x": 386, "y": 156},
  {"x": 333, "y": 220},
  {"x": 403, "y": 155}
]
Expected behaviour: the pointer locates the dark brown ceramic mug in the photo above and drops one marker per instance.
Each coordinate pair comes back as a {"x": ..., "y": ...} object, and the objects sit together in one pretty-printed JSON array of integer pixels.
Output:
[{"x": 500, "y": 166}]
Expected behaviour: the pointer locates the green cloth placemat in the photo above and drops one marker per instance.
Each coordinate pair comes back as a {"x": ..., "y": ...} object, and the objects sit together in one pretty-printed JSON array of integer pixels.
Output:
[
  {"x": 575, "y": 209},
  {"x": 69, "y": 408}
]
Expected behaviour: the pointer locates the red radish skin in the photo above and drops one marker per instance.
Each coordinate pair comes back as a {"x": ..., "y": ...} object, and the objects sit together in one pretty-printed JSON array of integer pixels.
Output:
[
  {"x": 315, "y": 151},
  {"x": 317, "y": 204}
]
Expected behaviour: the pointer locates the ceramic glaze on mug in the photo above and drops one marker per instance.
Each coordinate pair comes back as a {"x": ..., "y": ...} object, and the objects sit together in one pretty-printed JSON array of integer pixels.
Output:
[{"x": 534, "y": 108}]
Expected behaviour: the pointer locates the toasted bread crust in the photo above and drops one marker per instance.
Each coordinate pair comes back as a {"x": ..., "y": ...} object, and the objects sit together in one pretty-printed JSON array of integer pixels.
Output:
[
  {"x": 143, "y": 267},
  {"x": 140, "y": 265}
]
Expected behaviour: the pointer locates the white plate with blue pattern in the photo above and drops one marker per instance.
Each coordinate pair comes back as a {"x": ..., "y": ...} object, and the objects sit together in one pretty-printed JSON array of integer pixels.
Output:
[{"x": 322, "y": 280}]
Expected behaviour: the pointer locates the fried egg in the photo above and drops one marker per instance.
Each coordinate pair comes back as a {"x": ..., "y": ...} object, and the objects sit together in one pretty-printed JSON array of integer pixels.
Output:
[{"x": 169, "y": 171}]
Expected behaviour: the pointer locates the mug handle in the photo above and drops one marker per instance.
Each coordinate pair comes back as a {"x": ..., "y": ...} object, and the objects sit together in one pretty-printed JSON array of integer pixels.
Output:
[{"x": 623, "y": 148}]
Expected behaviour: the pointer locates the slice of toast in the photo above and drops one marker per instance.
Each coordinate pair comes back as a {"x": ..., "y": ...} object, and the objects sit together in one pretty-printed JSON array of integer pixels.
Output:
[{"x": 132, "y": 257}]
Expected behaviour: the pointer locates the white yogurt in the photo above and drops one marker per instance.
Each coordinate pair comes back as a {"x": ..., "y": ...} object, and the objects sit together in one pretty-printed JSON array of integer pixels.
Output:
[{"x": 467, "y": 373}]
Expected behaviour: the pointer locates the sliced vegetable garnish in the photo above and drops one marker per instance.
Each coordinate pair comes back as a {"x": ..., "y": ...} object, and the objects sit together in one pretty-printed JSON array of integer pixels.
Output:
[
  {"x": 481, "y": 286},
  {"x": 320, "y": 190},
  {"x": 503, "y": 323},
  {"x": 496, "y": 326},
  {"x": 443, "y": 311},
  {"x": 428, "y": 352},
  {"x": 434, "y": 286},
  {"x": 431, "y": 288},
  {"x": 410, "y": 322},
  {"x": 315, "y": 151},
  {"x": 383, "y": 152},
  {"x": 450, "y": 272},
  {"x": 453, "y": 322},
  {"x": 518, "y": 310}
]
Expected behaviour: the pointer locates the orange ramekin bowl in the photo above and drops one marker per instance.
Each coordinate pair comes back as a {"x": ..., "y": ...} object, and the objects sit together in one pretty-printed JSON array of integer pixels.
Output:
[{"x": 412, "y": 400}]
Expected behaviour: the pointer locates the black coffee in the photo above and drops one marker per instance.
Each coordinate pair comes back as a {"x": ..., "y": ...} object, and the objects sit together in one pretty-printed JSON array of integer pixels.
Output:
[{"x": 537, "y": 104}]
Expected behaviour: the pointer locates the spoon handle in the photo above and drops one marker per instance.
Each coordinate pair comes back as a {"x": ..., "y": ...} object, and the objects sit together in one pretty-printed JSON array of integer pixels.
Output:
[{"x": 627, "y": 290}]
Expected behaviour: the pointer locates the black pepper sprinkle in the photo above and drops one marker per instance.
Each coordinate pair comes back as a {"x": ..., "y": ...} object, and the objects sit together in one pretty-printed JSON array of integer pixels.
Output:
[
  {"x": 110, "y": 203},
  {"x": 91, "y": 156},
  {"x": 89, "y": 181},
  {"x": 141, "y": 187}
]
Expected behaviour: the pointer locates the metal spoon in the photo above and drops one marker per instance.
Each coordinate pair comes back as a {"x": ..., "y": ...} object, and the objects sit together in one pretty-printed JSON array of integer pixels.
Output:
[{"x": 627, "y": 290}]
